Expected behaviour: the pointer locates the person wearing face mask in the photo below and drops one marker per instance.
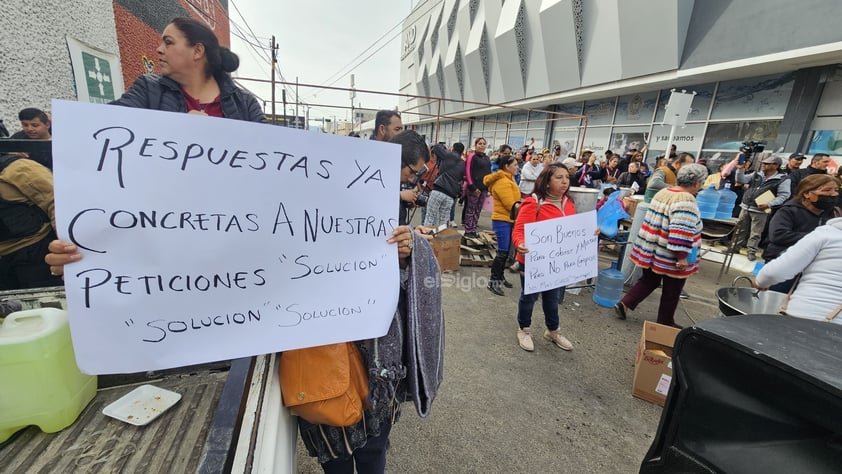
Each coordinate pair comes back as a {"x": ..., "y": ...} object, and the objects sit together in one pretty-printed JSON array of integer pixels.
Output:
[{"x": 813, "y": 204}]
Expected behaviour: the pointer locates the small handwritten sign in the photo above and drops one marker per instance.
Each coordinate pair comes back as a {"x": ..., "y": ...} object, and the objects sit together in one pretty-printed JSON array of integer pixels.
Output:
[
  {"x": 208, "y": 239},
  {"x": 561, "y": 251}
]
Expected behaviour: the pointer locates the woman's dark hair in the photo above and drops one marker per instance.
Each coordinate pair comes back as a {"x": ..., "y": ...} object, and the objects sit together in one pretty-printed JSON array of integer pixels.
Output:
[
  {"x": 478, "y": 139},
  {"x": 504, "y": 160},
  {"x": 413, "y": 147},
  {"x": 542, "y": 184},
  {"x": 220, "y": 60}
]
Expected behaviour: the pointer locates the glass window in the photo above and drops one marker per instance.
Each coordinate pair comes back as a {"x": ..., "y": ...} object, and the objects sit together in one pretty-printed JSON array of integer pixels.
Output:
[
  {"x": 624, "y": 139},
  {"x": 701, "y": 102},
  {"x": 600, "y": 112},
  {"x": 519, "y": 119},
  {"x": 729, "y": 136},
  {"x": 572, "y": 109},
  {"x": 636, "y": 108},
  {"x": 826, "y": 141},
  {"x": 517, "y": 138},
  {"x": 567, "y": 138},
  {"x": 755, "y": 97},
  {"x": 597, "y": 139},
  {"x": 688, "y": 138}
]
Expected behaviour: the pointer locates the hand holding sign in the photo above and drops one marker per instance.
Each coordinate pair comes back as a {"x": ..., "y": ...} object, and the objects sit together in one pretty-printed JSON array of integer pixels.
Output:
[
  {"x": 560, "y": 251},
  {"x": 207, "y": 239}
]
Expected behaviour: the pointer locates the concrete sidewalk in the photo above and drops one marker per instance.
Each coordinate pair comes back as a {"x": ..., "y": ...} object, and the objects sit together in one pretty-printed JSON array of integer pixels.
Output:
[{"x": 501, "y": 409}]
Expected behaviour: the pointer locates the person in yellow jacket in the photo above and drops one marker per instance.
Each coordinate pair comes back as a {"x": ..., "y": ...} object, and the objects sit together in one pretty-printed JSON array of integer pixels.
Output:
[{"x": 506, "y": 193}]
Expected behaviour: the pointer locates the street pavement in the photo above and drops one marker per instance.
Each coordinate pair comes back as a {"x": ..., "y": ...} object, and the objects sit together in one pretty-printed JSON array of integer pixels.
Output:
[{"x": 501, "y": 409}]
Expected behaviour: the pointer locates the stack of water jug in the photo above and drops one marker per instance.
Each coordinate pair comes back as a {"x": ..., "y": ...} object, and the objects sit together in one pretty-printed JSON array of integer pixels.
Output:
[{"x": 715, "y": 204}]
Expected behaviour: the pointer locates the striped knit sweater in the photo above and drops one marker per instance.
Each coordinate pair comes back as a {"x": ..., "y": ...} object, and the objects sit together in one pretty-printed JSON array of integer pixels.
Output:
[{"x": 671, "y": 228}]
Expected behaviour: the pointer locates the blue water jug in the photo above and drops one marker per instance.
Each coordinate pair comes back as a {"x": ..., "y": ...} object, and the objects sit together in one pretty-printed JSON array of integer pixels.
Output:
[
  {"x": 727, "y": 200},
  {"x": 609, "y": 286},
  {"x": 708, "y": 201}
]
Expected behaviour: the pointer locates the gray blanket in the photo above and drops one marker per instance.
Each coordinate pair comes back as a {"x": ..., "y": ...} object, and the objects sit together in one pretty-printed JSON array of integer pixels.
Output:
[{"x": 424, "y": 327}]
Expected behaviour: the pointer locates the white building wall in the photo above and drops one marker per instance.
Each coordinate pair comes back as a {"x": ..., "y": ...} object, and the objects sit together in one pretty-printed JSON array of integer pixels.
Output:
[{"x": 35, "y": 65}]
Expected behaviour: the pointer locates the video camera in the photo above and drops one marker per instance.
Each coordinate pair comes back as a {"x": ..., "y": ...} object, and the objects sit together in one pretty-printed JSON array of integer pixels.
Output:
[{"x": 748, "y": 149}]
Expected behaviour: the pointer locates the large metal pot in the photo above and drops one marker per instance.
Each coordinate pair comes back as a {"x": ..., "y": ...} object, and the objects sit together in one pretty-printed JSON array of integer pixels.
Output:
[{"x": 734, "y": 301}]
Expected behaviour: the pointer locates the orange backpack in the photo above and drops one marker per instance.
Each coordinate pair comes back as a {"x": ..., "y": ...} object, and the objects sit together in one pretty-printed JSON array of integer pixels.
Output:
[{"x": 325, "y": 385}]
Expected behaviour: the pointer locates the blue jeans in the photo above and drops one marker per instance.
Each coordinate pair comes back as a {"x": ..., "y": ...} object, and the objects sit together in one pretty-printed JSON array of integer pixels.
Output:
[
  {"x": 549, "y": 303},
  {"x": 503, "y": 231}
]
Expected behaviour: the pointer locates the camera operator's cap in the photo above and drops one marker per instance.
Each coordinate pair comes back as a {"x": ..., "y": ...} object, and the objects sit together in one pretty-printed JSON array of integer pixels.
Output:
[
  {"x": 796, "y": 156},
  {"x": 587, "y": 150},
  {"x": 571, "y": 162},
  {"x": 772, "y": 160}
]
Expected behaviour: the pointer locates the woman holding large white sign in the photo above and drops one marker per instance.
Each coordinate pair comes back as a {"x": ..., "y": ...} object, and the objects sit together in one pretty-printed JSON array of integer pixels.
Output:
[
  {"x": 666, "y": 245},
  {"x": 548, "y": 201}
]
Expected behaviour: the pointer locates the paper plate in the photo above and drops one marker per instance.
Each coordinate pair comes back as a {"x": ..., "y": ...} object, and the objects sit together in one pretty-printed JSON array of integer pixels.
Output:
[{"x": 142, "y": 405}]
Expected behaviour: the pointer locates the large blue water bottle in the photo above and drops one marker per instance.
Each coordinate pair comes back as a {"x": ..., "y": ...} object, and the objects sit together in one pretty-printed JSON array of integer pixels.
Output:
[
  {"x": 727, "y": 200},
  {"x": 708, "y": 201},
  {"x": 609, "y": 286}
]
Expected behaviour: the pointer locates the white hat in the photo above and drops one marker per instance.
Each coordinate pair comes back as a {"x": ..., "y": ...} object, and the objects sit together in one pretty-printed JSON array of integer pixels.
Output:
[{"x": 571, "y": 162}]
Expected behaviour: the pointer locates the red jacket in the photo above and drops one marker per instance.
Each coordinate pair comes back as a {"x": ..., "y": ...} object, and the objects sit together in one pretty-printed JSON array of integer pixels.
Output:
[{"x": 530, "y": 212}]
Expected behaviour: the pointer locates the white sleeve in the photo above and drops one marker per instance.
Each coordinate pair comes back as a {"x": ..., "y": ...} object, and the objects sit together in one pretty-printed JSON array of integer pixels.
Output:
[{"x": 793, "y": 261}]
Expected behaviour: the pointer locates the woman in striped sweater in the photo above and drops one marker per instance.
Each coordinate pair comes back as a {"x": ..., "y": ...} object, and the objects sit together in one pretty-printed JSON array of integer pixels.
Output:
[{"x": 671, "y": 230}]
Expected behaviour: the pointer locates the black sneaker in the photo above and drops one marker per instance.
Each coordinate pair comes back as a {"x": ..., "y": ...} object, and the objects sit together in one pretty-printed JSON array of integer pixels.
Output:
[
  {"x": 494, "y": 287},
  {"x": 684, "y": 295},
  {"x": 620, "y": 310},
  {"x": 507, "y": 283}
]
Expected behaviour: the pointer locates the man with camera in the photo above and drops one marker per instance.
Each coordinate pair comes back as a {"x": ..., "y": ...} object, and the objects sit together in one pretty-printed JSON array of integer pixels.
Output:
[{"x": 756, "y": 203}]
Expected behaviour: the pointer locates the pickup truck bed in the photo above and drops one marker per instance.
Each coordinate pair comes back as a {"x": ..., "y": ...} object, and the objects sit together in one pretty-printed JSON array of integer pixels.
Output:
[{"x": 229, "y": 419}]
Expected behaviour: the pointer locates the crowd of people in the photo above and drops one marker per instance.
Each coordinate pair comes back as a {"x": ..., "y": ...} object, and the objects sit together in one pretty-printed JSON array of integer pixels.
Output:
[{"x": 523, "y": 186}]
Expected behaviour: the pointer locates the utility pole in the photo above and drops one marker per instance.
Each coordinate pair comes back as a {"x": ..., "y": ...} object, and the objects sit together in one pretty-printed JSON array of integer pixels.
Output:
[
  {"x": 274, "y": 47},
  {"x": 284, "y": 100},
  {"x": 353, "y": 96},
  {"x": 296, "y": 97}
]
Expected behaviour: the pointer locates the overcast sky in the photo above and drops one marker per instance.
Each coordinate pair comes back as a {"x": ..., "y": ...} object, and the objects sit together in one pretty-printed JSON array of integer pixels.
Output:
[{"x": 315, "y": 40}]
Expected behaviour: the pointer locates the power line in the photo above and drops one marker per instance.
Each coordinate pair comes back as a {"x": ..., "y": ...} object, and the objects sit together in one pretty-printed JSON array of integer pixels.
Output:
[{"x": 372, "y": 45}]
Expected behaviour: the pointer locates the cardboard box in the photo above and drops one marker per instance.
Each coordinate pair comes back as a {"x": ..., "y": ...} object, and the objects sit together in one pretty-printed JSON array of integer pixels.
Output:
[
  {"x": 653, "y": 364},
  {"x": 446, "y": 247}
]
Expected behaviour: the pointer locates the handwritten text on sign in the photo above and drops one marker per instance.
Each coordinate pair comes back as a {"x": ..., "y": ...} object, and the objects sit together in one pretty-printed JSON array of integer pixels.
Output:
[
  {"x": 208, "y": 239},
  {"x": 561, "y": 251}
]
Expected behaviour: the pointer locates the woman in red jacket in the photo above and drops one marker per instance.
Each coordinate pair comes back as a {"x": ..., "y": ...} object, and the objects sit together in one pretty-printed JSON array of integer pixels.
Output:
[{"x": 548, "y": 201}]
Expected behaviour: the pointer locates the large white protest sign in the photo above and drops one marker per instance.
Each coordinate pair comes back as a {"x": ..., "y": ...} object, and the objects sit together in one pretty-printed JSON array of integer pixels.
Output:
[
  {"x": 561, "y": 251},
  {"x": 208, "y": 239}
]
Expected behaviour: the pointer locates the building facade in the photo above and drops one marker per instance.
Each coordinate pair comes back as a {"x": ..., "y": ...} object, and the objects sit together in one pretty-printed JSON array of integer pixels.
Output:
[
  {"x": 765, "y": 71},
  {"x": 86, "y": 50}
]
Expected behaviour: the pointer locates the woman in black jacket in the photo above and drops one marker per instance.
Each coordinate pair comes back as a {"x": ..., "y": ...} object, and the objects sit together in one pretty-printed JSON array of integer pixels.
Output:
[
  {"x": 446, "y": 187},
  {"x": 195, "y": 77},
  {"x": 477, "y": 167},
  {"x": 633, "y": 175},
  {"x": 812, "y": 205}
]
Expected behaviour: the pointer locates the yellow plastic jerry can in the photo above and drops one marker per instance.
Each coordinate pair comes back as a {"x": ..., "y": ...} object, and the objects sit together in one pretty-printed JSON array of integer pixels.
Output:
[{"x": 40, "y": 383}]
